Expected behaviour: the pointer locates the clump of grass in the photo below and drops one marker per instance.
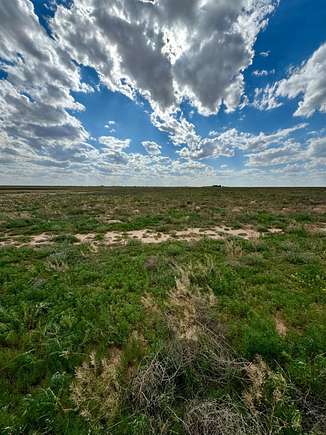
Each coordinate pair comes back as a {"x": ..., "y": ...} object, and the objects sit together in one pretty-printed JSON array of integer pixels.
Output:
[
  {"x": 182, "y": 371},
  {"x": 254, "y": 260},
  {"x": 220, "y": 417},
  {"x": 233, "y": 249},
  {"x": 65, "y": 238},
  {"x": 96, "y": 391}
]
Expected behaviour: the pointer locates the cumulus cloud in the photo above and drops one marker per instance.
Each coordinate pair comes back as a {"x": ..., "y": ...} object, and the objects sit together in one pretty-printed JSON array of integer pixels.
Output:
[
  {"x": 35, "y": 97},
  {"x": 166, "y": 50},
  {"x": 226, "y": 142},
  {"x": 152, "y": 148},
  {"x": 308, "y": 82},
  {"x": 114, "y": 144}
]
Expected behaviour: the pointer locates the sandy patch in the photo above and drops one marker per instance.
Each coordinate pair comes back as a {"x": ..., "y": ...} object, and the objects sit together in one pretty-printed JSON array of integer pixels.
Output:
[
  {"x": 40, "y": 239},
  {"x": 109, "y": 221},
  {"x": 85, "y": 238},
  {"x": 275, "y": 230},
  {"x": 10, "y": 242},
  {"x": 113, "y": 238},
  {"x": 320, "y": 209},
  {"x": 113, "y": 221}
]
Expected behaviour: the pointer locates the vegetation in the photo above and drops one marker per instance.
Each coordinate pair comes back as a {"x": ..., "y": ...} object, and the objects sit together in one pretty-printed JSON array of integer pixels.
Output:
[{"x": 207, "y": 337}]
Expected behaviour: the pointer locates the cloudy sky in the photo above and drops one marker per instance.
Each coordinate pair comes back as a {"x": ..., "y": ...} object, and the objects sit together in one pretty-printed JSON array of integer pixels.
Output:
[{"x": 163, "y": 92}]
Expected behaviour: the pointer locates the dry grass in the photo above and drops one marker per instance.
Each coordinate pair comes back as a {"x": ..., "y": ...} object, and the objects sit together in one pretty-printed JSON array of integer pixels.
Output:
[
  {"x": 214, "y": 417},
  {"x": 163, "y": 381},
  {"x": 188, "y": 303},
  {"x": 96, "y": 391},
  {"x": 257, "y": 373}
]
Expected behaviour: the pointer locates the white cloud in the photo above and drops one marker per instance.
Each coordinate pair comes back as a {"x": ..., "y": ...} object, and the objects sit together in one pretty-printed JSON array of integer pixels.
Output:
[
  {"x": 36, "y": 95},
  {"x": 111, "y": 126},
  {"x": 152, "y": 147},
  {"x": 114, "y": 144},
  {"x": 308, "y": 82},
  {"x": 291, "y": 151},
  {"x": 225, "y": 143},
  {"x": 317, "y": 148},
  {"x": 263, "y": 73},
  {"x": 167, "y": 50},
  {"x": 265, "y": 98}
]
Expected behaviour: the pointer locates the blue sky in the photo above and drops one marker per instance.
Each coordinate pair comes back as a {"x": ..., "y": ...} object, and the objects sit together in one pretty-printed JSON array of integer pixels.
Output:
[{"x": 173, "y": 92}]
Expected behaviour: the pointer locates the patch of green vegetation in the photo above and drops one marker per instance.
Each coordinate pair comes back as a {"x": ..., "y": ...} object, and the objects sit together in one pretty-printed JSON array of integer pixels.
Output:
[{"x": 90, "y": 339}]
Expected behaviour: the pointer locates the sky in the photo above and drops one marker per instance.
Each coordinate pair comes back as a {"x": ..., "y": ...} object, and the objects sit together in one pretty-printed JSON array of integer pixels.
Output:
[{"x": 163, "y": 92}]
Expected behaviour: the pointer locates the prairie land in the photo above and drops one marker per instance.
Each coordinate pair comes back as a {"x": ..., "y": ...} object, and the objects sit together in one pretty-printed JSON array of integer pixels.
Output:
[{"x": 162, "y": 311}]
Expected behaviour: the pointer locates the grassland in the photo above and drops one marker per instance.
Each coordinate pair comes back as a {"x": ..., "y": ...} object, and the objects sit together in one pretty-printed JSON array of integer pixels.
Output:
[{"x": 184, "y": 337}]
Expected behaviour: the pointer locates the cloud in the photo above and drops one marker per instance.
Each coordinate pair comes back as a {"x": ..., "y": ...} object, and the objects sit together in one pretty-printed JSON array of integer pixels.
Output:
[
  {"x": 317, "y": 148},
  {"x": 114, "y": 144},
  {"x": 265, "y": 98},
  {"x": 291, "y": 151},
  {"x": 35, "y": 97},
  {"x": 166, "y": 50},
  {"x": 306, "y": 82},
  {"x": 265, "y": 53},
  {"x": 111, "y": 126},
  {"x": 179, "y": 129},
  {"x": 225, "y": 143},
  {"x": 263, "y": 73},
  {"x": 152, "y": 148}
]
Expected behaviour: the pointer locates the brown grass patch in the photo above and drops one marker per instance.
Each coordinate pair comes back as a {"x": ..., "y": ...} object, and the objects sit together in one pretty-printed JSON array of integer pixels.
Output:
[
  {"x": 257, "y": 373},
  {"x": 96, "y": 391},
  {"x": 219, "y": 418},
  {"x": 187, "y": 304}
]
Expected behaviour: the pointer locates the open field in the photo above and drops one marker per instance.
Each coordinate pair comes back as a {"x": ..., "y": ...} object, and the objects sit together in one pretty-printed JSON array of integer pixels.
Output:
[{"x": 162, "y": 311}]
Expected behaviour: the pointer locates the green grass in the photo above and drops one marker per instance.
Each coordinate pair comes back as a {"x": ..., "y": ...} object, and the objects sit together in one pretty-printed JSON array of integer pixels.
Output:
[{"x": 63, "y": 302}]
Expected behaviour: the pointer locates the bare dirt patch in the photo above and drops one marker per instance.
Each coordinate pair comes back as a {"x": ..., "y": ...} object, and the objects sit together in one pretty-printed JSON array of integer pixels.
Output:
[
  {"x": 85, "y": 238},
  {"x": 147, "y": 236},
  {"x": 275, "y": 230},
  {"x": 320, "y": 209},
  {"x": 40, "y": 239}
]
